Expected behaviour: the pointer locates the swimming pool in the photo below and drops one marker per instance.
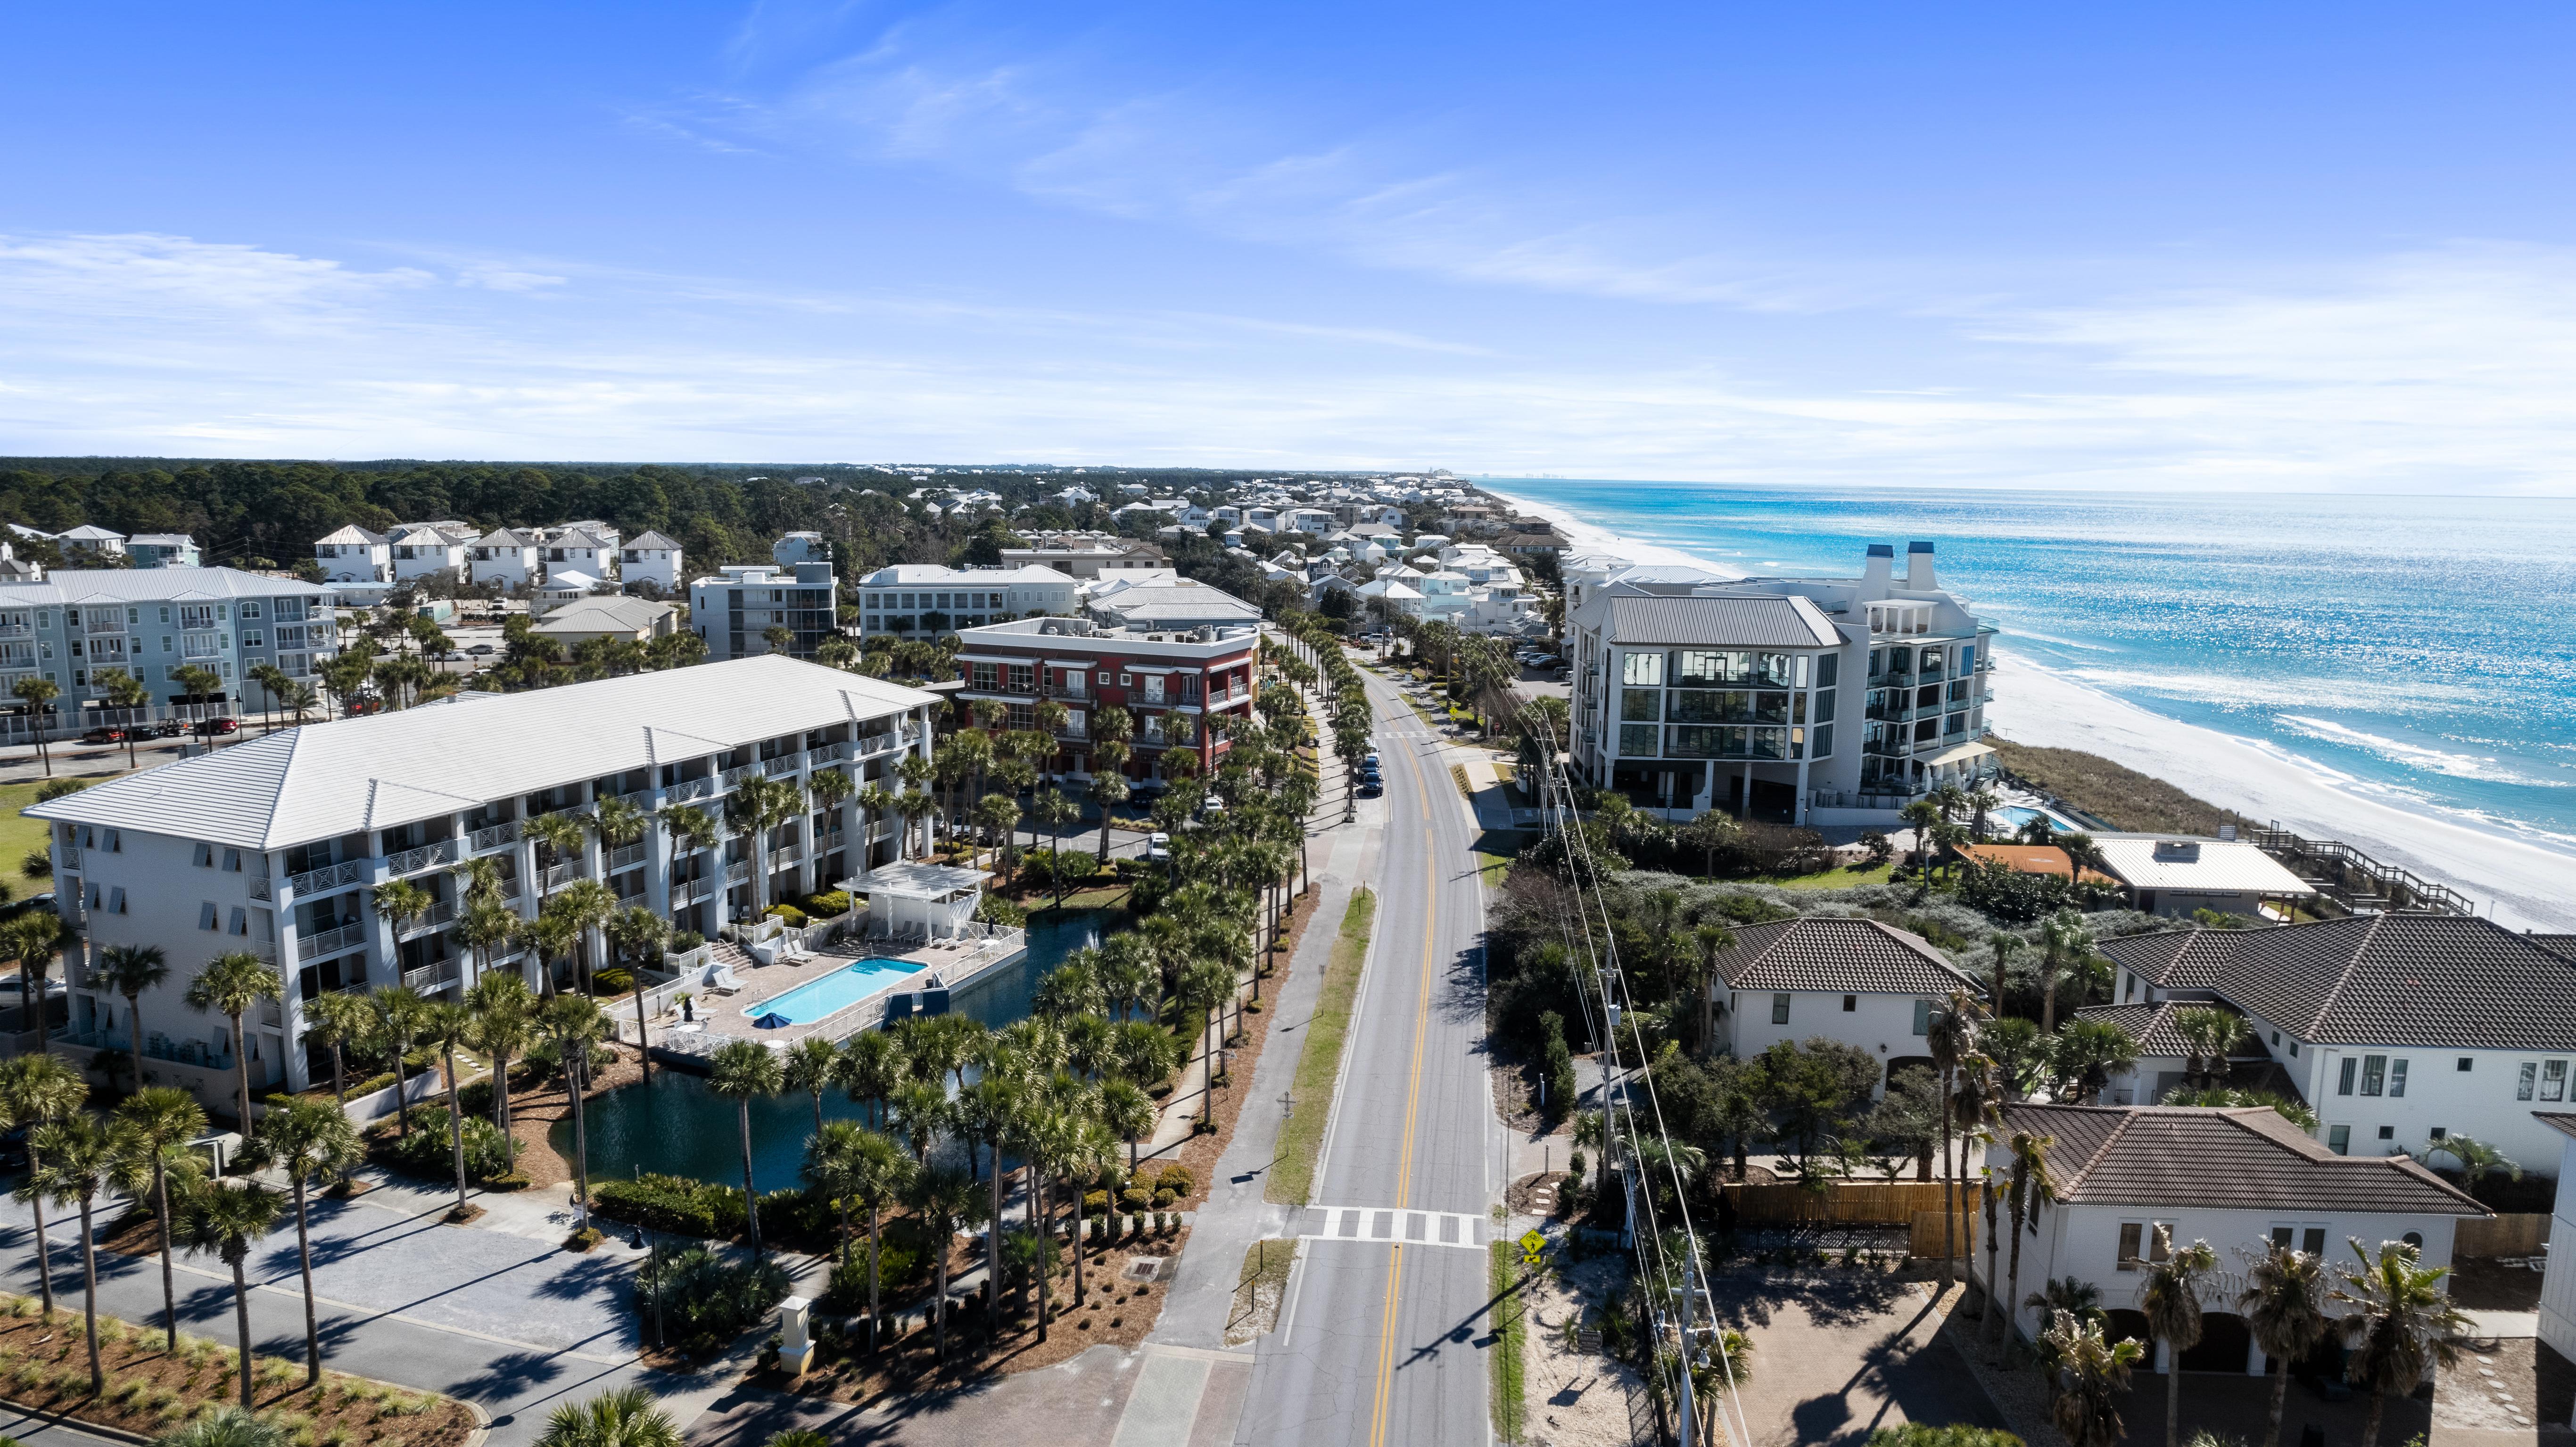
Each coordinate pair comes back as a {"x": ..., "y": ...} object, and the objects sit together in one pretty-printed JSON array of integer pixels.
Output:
[
  {"x": 2012, "y": 818},
  {"x": 834, "y": 992}
]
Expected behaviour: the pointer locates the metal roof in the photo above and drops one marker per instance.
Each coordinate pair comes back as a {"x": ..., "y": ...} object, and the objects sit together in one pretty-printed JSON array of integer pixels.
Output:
[
  {"x": 2229, "y": 866},
  {"x": 154, "y": 585},
  {"x": 597, "y": 615},
  {"x": 1723, "y": 621},
  {"x": 324, "y": 780}
]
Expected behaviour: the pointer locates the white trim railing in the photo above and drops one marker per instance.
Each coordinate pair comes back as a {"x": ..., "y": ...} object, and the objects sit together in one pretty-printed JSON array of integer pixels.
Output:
[
  {"x": 329, "y": 876},
  {"x": 330, "y": 941},
  {"x": 412, "y": 861}
]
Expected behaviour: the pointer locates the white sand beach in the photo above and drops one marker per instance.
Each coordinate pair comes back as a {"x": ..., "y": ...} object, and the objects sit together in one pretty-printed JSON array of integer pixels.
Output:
[{"x": 2525, "y": 881}]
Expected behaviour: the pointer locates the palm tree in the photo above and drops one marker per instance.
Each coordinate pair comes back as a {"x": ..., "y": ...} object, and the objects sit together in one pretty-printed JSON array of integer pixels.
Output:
[
  {"x": 230, "y": 986},
  {"x": 449, "y": 1025},
  {"x": 2030, "y": 1189},
  {"x": 574, "y": 1024},
  {"x": 505, "y": 1025},
  {"x": 561, "y": 836},
  {"x": 156, "y": 1123},
  {"x": 130, "y": 970},
  {"x": 874, "y": 801},
  {"x": 336, "y": 1020},
  {"x": 552, "y": 935},
  {"x": 400, "y": 1015},
  {"x": 2400, "y": 1322},
  {"x": 756, "y": 806},
  {"x": 878, "y": 1173},
  {"x": 812, "y": 1066},
  {"x": 2085, "y": 1056},
  {"x": 399, "y": 902},
  {"x": 984, "y": 1114},
  {"x": 2477, "y": 1159},
  {"x": 938, "y": 1195},
  {"x": 2284, "y": 1306},
  {"x": 484, "y": 926},
  {"x": 2212, "y": 1034},
  {"x": 1951, "y": 1037},
  {"x": 830, "y": 788},
  {"x": 305, "y": 1140},
  {"x": 620, "y": 1417},
  {"x": 36, "y": 1090},
  {"x": 2063, "y": 940},
  {"x": 584, "y": 905},
  {"x": 38, "y": 693},
  {"x": 739, "y": 1071},
  {"x": 2170, "y": 1300},
  {"x": 35, "y": 938},
  {"x": 872, "y": 1064},
  {"x": 2093, "y": 1375},
  {"x": 79, "y": 1154},
  {"x": 617, "y": 823},
  {"x": 919, "y": 1112},
  {"x": 228, "y": 1220},
  {"x": 2005, "y": 945},
  {"x": 1129, "y": 1114},
  {"x": 638, "y": 934},
  {"x": 1712, "y": 939},
  {"x": 1205, "y": 987}
]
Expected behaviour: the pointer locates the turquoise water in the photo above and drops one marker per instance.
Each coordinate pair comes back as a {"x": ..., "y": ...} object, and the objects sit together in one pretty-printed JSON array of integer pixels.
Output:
[
  {"x": 675, "y": 1127},
  {"x": 2413, "y": 645},
  {"x": 2012, "y": 817},
  {"x": 834, "y": 992}
]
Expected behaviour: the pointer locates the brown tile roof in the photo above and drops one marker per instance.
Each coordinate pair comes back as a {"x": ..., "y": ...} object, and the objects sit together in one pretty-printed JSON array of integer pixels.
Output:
[
  {"x": 1852, "y": 956},
  {"x": 2561, "y": 1121},
  {"x": 2444, "y": 981},
  {"x": 2236, "y": 1159},
  {"x": 2558, "y": 944},
  {"x": 2152, "y": 1026},
  {"x": 2031, "y": 859}
]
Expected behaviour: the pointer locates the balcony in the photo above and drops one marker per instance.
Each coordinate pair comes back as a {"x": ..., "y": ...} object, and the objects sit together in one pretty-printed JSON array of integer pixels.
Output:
[
  {"x": 690, "y": 891},
  {"x": 738, "y": 871},
  {"x": 733, "y": 776},
  {"x": 783, "y": 764},
  {"x": 688, "y": 789},
  {"x": 430, "y": 977},
  {"x": 258, "y": 886},
  {"x": 785, "y": 857},
  {"x": 429, "y": 919},
  {"x": 329, "y": 877},
  {"x": 67, "y": 856},
  {"x": 625, "y": 856},
  {"x": 427, "y": 856},
  {"x": 330, "y": 941},
  {"x": 493, "y": 836},
  {"x": 556, "y": 876},
  {"x": 639, "y": 799}
]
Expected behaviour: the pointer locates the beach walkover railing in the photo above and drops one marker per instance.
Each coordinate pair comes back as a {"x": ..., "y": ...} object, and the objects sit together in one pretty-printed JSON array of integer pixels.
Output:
[{"x": 2355, "y": 880}]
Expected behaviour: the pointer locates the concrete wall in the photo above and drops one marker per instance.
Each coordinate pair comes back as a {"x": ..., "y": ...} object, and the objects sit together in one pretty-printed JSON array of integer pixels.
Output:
[{"x": 1881, "y": 1024}]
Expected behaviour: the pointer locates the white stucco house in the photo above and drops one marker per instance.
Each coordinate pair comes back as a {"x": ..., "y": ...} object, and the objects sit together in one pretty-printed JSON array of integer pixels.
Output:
[
  {"x": 425, "y": 552},
  {"x": 2558, "y": 1287},
  {"x": 650, "y": 558},
  {"x": 1857, "y": 981},
  {"x": 2239, "y": 1179},
  {"x": 505, "y": 557},
  {"x": 355, "y": 555}
]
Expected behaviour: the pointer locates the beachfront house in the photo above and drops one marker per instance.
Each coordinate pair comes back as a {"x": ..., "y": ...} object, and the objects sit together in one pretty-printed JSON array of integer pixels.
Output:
[
  {"x": 2239, "y": 1179},
  {"x": 1857, "y": 981},
  {"x": 2177, "y": 875},
  {"x": 279, "y": 846},
  {"x": 2399, "y": 1030},
  {"x": 1797, "y": 700}
]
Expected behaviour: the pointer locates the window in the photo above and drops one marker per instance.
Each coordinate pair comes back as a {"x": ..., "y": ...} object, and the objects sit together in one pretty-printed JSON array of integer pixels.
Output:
[
  {"x": 241, "y": 922},
  {"x": 1643, "y": 670},
  {"x": 206, "y": 915},
  {"x": 2396, "y": 1079},
  {"x": 2137, "y": 1236},
  {"x": 1640, "y": 704},
  {"x": 254, "y": 640},
  {"x": 116, "y": 900},
  {"x": 2311, "y": 1239},
  {"x": 1639, "y": 741},
  {"x": 2128, "y": 989},
  {"x": 232, "y": 861},
  {"x": 205, "y": 855},
  {"x": 2388, "y": 1132},
  {"x": 1780, "y": 1008},
  {"x": 1922, "y": 1017},
  {"x": 1850, "y": 1003},
  {"x": 2374, "y": 1074},
  {"x": 2339, "y": 1139},
  {"x": 1828, "y": 666},
  {"x": 2414, "y": 1239},
  {"x": 2440, "y": 1132},
  {"x": 2522, "y": 1090},
  {"x": 2553, "y": 1080},
  {"x": 250, "y": 610},
  {"x": 2466, "y": 1062}
]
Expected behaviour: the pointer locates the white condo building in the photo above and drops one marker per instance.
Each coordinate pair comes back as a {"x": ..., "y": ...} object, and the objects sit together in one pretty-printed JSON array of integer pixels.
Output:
[
  {"x": 898, "y": 599},
  {"x": 1798, "y": 700},
  {"x": 734, "y": 610},
  {"x": 276, "y": 847},
  {"x": 152, "y": 621}
]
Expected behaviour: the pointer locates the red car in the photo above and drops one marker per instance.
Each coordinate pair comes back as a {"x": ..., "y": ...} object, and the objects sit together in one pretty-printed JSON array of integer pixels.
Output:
[
  {"x": 207, "y": 728},
  {"x": 104, "y": 734}
]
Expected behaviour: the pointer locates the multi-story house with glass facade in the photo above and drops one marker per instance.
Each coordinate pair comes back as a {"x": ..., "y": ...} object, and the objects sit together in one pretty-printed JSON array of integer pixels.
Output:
[
  {"x": 1795, "y": 700},
  {"x": 152, "y": 622},
  {"x": 734, "y": 610},
  {"x": 278, "y": 846},
  {"x": 1169, "y": 684}
]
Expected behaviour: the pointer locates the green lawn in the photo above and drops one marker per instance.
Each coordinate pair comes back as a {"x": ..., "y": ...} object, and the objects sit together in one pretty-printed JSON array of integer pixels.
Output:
[
  {"x": 1493, "y": 867},
  {"x": 1827, "y": 878},
  {"x": 1511, "y": 1325},
  {"x": 18, "y": 834},
  {"x": 1319, "y": 1061}
]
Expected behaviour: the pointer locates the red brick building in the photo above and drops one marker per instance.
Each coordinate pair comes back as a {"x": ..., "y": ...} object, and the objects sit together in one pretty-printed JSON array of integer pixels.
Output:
[{"x": 1169, "y": 682}]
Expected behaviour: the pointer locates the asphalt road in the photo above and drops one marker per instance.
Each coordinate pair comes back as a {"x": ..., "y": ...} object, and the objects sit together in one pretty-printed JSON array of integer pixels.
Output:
[{"x": 1388, "y": 1319}]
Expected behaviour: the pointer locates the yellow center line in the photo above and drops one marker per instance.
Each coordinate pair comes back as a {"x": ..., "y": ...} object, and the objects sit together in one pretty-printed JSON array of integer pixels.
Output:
[{"x": 1379, "y": 1411}]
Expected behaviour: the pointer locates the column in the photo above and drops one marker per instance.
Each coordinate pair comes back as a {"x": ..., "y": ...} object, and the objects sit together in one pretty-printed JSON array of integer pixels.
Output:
[
  {"x": 2253, "y": 1359},
  {"x": 290, "y": 998},
  {"x": 531, "y": 894},
  {"x": 1800, "y": 817},
  {"x": 657, "y": 854}
]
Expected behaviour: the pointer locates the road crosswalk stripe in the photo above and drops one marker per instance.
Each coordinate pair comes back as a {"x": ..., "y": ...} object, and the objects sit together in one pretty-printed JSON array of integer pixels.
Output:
[{"x": 1393, "y": 1226}]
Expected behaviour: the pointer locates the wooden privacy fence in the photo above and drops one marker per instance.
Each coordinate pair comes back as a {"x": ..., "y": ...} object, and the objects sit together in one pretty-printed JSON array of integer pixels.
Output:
[
  {"x": 1916, "y": 1205},
  {"x": 2520, "y": 1234}
]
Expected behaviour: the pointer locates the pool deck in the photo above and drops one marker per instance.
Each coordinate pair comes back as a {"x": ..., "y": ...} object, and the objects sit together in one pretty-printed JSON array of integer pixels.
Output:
[{"x": 726, "y": 1017}]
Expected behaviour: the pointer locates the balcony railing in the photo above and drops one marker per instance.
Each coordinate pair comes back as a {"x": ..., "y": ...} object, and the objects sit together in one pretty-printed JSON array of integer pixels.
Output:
[
  {"x": 782, "y": 858},
  {"x": 493, "y": 836},
  {"x": 690, "y": 891},
  {"x": 738, "y": 871},
  {"x": 625, "y": 856},
  {"x": 329, "y": 876},
  {"x": 783, "y": 764},
  {"x": 67, "y": 856},
  {"x": 431, "y": 977},
  {"x": 735, "y": 776},
  {"x": 258, "y": 886},
  {"x": 413, "y": 861},
  {"x": 829, "y": 753},
  {"x": 430, "y": 919},
  {"x": 556, "y": 876},
  {"x": 638, "y": 799},
  {"x": 688, "y": 789},
  {"x": 330, "y": 941}
]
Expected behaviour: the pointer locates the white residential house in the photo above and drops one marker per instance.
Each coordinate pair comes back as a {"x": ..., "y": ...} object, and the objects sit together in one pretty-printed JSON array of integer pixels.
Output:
[
  {"x": 355, "y": 555},
  {"x": 650, "y": 562},
  {"x": 2558, "y": 1286},
  {"x": 579, "y": 550},
  {"x": 1857, "y": 981},
  {"x": 2175, "y": 875},
  {"x": 1400, "y": 599},
  {"x": 1312, "y": 521},
  {"x": 92, "y": 540},
  {"x": 507, "y": 558},
  {"x": 2240, "y": 1179},
  {"x": 277, "y": 846},
  {"x": 426, "y": 552},
  {"x": 794, "y": 548},
  {"x": 563, "y": 585},
  {"x": 2398, "y": 1030},
  {"x": 2164, "y": 1057}
]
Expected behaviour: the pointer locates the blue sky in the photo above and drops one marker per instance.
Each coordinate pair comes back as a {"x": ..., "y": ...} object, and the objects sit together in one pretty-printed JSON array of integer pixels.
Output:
[{"x": 2219, "y": 247}]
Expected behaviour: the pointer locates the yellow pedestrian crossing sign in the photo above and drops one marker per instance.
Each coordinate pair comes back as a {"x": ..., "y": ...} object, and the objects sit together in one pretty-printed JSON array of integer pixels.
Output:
[{"x": 1532, "y": 1243}]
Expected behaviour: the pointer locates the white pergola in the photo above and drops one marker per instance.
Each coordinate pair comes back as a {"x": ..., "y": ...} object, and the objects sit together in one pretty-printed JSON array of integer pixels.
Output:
[{"x": 911, "y": 894}]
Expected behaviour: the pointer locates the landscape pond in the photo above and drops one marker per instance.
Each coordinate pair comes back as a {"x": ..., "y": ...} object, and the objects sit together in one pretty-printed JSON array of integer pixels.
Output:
[{"x": 676, "y": 1126}]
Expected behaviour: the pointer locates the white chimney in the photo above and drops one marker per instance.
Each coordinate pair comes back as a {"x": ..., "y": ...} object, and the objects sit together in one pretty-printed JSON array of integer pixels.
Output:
[
  {"x": 1879, "y": 571},
  {"x": 1918, "y": 567}
]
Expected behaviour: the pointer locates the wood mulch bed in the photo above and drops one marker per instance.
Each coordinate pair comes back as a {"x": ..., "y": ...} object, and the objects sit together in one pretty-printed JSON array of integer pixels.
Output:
[
  {"x": 533, "y": 1112},
  {"x": 1118, "y": 1313},
  {"x": 45, "y": 1366}
]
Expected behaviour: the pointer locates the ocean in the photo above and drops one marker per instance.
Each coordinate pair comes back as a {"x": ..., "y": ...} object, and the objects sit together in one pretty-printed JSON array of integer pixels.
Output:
[{"x": 2416, "y": 651}]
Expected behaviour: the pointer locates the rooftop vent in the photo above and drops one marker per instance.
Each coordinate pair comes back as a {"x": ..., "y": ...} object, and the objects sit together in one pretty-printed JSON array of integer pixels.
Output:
[{"x": 2177, "y": 849}]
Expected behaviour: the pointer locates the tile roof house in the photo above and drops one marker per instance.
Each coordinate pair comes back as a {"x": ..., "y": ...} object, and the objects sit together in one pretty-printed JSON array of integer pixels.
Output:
[
  {"x": 2398, "y": 1029},
  {"x": 2164, "y": 1055},
  {"x": 1858, "y": 981},
  {"x": 2239, "y": 1179}
]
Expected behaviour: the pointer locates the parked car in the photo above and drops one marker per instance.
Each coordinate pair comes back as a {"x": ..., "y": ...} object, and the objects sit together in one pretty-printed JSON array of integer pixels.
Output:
[
  {"x": 481, "y": 650},
  {"x": 104, "y": 734},
  {"x": 1211, "y": 805},
  {"x": 1371, "y": 788},
  {"x": 168, "y": 728},
  {"x": 1158, "y": 847},
  {"x": 17, "y": 907},
  {"x": 209, "y": 728}
]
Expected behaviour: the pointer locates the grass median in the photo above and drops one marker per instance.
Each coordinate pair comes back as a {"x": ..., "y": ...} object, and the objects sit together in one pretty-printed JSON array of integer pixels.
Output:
[
  {"x": 1511, "y": 1336},
  {"x": 1319, "y": 1061}
]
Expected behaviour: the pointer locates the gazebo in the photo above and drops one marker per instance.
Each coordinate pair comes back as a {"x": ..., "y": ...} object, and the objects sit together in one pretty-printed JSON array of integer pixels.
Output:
[{"x": 913, "y": 896}]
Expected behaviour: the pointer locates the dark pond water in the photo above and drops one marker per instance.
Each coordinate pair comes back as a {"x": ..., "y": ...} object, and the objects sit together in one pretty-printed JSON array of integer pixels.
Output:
[{"x": 676, "y": 1127}]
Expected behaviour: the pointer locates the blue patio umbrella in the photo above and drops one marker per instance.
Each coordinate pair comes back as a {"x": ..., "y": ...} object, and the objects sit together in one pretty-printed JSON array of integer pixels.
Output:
[{"x": 772, "y": 1021}]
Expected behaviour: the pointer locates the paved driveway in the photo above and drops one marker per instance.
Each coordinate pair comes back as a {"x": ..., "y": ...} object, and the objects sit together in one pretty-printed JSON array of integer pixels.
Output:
[{"x": 1838, "y": 1354}]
